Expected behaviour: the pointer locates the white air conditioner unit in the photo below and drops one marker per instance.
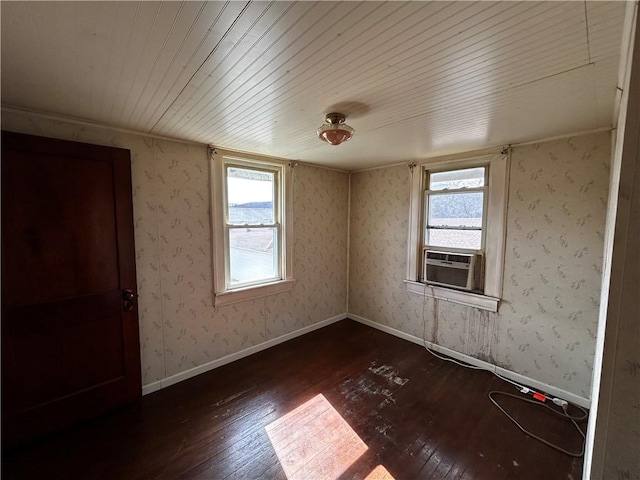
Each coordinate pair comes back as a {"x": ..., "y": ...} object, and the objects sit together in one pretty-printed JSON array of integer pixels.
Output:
[{"x": 458, "y": 270}]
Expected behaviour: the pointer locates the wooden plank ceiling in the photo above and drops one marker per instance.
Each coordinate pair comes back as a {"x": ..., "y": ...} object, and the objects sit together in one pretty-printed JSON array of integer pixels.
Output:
[{"x": 415, "y": 79}]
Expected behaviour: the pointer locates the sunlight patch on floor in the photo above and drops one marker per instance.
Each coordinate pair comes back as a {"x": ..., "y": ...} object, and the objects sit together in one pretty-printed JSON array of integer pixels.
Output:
[
  {"x": 314, "y": 441},
  {"x": 379, "y": 473}
]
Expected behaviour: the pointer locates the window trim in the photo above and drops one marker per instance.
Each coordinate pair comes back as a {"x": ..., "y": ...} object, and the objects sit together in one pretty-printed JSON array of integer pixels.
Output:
[
  {"x": 495, "y": 229},
  {"x": 223, "y": 294}
]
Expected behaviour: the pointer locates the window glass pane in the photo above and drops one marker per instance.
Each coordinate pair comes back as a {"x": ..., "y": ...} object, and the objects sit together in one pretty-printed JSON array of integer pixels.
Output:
[
  {"x": 469, "y": 177},
  {"x": 250, "y": 196},
  {"x": 254, "y": 255},
  {"x": 471, "y": 239},
  {"x": 456, "y": 210}
]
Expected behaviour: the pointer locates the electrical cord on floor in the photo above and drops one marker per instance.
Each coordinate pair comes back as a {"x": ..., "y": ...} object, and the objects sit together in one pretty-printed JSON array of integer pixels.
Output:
[
  {"x": 539, "y": 398},
  {"x": 563, "y": 414},
  {"x": 453, "y": 360}
]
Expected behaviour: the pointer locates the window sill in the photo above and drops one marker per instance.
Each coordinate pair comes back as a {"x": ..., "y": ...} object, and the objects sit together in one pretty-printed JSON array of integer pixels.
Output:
[
  {"x": 249, "y": 293},
  {"x": 483, "y": 302}
]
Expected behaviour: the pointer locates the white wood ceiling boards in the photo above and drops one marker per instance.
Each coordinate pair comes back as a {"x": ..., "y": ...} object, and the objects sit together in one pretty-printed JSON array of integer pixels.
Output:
[{"x": 415, "y": 79}]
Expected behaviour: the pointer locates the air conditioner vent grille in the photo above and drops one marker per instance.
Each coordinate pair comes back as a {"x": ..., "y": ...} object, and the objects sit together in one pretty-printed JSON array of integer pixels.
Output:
[
  {"x": 450, "y": 269},
  {"x": 437, "y": 255},
  {"x": 458, "y": 258}
]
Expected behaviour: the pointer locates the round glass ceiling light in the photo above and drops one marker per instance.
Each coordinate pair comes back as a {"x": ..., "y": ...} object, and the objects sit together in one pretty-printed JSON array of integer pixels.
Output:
[{"x": 335, "y": 131}]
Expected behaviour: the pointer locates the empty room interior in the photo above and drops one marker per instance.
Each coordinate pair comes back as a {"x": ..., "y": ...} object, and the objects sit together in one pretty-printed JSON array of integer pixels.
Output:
[{"x": 320, "y": 240}]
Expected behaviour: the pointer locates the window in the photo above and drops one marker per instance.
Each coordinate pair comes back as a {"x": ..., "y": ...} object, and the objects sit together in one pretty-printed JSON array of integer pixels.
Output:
[
  {"x": 457, "y": 220},
  {"x": 454, "y": 207},
  {"x": 250, "y": 220}
]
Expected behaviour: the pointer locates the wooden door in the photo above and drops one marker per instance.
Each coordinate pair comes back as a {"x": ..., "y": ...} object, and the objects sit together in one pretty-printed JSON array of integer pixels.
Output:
[{"x": 70, "y": 341}]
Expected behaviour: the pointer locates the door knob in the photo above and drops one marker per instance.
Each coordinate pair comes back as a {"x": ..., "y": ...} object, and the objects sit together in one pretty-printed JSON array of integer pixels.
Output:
[{"x": 128, "y": 299}]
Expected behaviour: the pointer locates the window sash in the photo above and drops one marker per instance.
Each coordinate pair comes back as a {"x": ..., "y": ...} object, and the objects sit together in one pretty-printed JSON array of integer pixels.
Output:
[
  {"x": 252, "y": 225},
  {"x": 433, "y": 173},
  {"x": 450, "y": 227},
  {"x": 275, "y": 262},
  {"x": 428, "y": 224},
  {"x": 455, "y": 190},
  {"x": 277, "y": 196},
  {"x": 276, "y": 193}
]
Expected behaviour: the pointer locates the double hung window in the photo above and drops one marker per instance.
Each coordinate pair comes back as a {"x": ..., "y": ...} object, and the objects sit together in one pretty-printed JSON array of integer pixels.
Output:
[
  {"x": 251, "y": 231},
  {"x": 253, "y": 226},
  {"x": 457, "y": 221}
]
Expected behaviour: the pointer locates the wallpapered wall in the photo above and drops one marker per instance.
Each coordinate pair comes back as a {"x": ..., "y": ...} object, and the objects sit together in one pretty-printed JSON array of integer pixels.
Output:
[
  {"x": 179, "y": 327},
  {"x": 545, "y": 327}
]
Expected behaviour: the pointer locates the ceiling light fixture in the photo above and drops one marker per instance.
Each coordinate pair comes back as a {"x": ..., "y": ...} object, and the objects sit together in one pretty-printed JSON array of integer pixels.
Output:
[{"x": 335, "y": 131}]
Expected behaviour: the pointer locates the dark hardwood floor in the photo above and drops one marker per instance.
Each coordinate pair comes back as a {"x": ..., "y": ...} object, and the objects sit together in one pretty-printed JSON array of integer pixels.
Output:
[{"x": 343, "y": 402}]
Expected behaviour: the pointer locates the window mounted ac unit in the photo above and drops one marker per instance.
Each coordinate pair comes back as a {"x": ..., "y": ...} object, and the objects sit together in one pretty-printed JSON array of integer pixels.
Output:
[{"x": 458, "y": 270}]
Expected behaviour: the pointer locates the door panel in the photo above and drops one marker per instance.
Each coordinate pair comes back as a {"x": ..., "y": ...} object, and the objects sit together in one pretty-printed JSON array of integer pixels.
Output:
[
  {"x": 58, "y": 331},
  {"x": 69, "y": 203},
  {"x": 69, "y": 349}
]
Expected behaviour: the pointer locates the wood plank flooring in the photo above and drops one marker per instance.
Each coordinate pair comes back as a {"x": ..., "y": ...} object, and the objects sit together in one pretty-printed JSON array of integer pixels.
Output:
[{"x": 343, "y": 402}]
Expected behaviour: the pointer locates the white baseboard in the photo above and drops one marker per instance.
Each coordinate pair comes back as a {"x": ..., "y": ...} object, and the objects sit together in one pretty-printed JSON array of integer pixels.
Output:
[
  {"x": 516, "y": 377},
  {"x": 192, "y": 372}
]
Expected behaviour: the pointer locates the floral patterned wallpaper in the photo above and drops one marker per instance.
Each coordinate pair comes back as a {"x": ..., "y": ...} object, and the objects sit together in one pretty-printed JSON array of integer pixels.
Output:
[
  {"x": 546, "y": 324},
  {"x": 553, "y": 264},
  {"x": 545, "y": 327},
  {"x": 379, "y": 226},
  {"x": 179, "y": 327}
]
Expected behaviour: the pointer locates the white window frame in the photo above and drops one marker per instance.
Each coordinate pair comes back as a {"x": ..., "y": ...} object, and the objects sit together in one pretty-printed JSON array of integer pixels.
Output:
[
  {"x": 494, "y": 230},
  {"x": 224, "y": 293}
]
